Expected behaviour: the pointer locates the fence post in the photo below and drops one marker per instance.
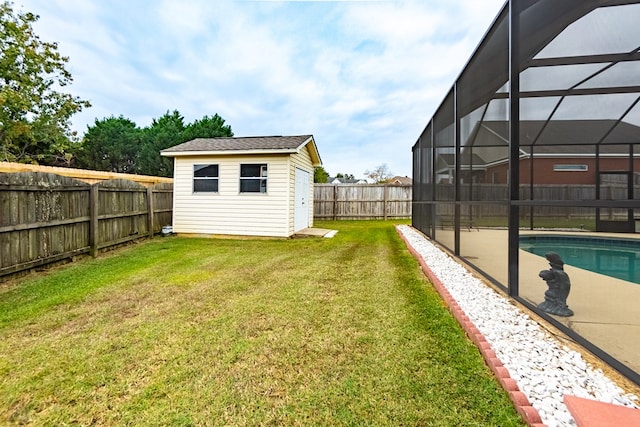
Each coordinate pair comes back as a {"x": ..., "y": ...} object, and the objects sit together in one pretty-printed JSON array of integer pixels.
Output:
[
  {"x": 94, "y": 203},
  {"x": 335, "y": 202},
  {"x": 384, "y": 201},
  {"x": 150, "y": 207}
]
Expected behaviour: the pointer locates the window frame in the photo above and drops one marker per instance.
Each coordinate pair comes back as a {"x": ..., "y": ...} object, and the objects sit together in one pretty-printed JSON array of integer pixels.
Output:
[
  {"x": 570, "y": 167},
  {"x": 262, "y": 178},
  {"x": 215, "y": 179}
]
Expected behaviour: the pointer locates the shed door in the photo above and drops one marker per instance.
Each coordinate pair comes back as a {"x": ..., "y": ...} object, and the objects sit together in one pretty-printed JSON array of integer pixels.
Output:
[{"x": 301, "y": 219}]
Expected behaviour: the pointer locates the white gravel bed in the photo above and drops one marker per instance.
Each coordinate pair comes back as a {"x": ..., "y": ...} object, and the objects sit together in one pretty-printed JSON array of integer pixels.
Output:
[{"x": 544, "y": 369}]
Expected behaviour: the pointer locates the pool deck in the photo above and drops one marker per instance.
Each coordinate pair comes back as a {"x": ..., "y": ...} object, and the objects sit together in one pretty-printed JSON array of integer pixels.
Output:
[{"x": 606, "y": 309}]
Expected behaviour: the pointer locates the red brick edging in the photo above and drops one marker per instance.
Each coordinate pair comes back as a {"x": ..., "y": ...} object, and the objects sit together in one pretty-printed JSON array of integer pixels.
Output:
[{"x": 520, "y": 401}]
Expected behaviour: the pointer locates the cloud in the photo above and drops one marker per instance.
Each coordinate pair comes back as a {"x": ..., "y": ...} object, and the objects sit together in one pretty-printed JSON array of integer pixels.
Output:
[{"x": 363, "y": 77}]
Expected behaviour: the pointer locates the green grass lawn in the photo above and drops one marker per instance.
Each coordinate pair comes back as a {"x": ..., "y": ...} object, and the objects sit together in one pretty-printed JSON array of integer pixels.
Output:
[{"x": 184, "y": 331}]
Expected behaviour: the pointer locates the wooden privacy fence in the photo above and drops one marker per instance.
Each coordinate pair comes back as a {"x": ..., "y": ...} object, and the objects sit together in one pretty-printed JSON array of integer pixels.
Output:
[
  {"x": 549, "y": 192},
  {"x": 361, "y": 201},
  {"x": 45, "y": 218}
]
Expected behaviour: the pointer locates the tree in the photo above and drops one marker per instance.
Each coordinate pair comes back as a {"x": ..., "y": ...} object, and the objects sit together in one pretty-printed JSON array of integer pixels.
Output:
[
  {"x": 170, "y": 130},
  {"x": 112, "y": 145},
  {"x": 164, "y": 132},
  {"x": 207, "y": 127},
  {"x": 34, "y": 113},
  {"x": 320, "y": 175},
  {"x": 380, "y": 174},
  {"x": 345, "y": 175},
  {"x": 119, "y": 145}
]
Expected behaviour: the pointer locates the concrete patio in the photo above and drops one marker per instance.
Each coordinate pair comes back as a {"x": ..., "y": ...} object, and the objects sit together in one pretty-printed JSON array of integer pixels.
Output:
[
  {"x": 606, "y": 309},
  {"x": 315, "y": 232}
]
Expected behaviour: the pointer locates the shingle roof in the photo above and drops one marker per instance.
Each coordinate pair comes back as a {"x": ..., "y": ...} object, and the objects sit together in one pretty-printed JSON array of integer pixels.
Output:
[
  {"x": 403, "y": 180},
  {"x": 252, "y": 143}
]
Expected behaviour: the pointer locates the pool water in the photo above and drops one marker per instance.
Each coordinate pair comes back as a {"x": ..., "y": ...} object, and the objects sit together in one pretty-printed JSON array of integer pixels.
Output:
[{"x": 619, "y": 258}]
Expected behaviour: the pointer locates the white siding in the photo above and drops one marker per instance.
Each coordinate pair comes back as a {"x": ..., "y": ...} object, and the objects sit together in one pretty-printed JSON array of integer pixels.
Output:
[
  {"x": 302, "y": 161},
  {"x": 229, "y": 211}
]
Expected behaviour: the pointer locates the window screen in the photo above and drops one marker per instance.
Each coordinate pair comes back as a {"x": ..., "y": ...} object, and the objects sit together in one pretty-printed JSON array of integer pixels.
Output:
[
  {"x": 253, "y": 178},
  {"x": 205, "y": 178}
]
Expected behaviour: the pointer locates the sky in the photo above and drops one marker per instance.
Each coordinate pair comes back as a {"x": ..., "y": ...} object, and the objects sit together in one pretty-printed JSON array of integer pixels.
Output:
[{"x": 363, "y": 77}]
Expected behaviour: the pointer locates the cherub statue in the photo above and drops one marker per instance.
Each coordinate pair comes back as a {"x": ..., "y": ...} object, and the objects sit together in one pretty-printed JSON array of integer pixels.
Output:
[{"x": 555, "y": 298}]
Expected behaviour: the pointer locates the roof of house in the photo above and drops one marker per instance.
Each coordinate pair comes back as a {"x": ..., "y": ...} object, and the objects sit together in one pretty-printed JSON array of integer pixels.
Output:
[
  {"x": 246, "y": 145},
  {"x": 402, "y": 180},
  {"x": 556, "y": 132},
  {"x": 338, "y": 180},
  {"x": 488, "y": 142}
]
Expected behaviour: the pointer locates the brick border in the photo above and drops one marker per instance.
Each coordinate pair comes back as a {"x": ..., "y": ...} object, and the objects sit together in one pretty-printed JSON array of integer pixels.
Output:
[{"x": 519, "y": 399}]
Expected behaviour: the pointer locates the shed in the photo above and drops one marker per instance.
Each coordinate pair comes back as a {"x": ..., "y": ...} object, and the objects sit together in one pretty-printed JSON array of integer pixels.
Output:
[{"x": 246, "y": 186}]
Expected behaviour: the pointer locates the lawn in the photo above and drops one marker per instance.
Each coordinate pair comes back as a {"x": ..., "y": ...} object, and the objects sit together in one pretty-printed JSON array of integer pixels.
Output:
[{"x": 185, "y": 331}]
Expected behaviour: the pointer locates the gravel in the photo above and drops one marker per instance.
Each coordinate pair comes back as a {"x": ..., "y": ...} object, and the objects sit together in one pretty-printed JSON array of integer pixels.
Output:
[{"x": 544, "y": 369}]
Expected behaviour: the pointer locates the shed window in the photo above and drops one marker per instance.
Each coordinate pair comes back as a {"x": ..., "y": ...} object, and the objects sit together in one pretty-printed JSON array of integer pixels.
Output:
[
  {"x": 205, "y": 178},
  {"x": 253, "y": 178}
]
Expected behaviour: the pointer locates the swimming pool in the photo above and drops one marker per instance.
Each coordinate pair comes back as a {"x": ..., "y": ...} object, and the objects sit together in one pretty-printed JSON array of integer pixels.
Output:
[{"x": 619, "y": 258}]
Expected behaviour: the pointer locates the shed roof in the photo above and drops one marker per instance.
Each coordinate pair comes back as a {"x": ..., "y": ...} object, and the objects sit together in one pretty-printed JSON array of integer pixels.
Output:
[{"x": 246, "y": 145}]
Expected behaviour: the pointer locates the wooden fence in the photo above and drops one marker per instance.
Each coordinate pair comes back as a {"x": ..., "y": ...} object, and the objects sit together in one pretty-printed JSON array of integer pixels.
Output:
[
  {"x": 550, "y": 192},
  {"x": 361, "y": 201},
  {"x": 89, "y": 176},
  {"x": 45, "y": 218}
]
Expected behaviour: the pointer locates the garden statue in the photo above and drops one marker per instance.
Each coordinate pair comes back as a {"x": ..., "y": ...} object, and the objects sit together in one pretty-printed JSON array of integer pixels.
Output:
[{"x": 555, "y": 298}]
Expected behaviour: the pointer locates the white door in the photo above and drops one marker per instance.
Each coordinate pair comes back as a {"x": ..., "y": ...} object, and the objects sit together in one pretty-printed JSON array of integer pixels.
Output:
[{"x": 301, "y": 219}]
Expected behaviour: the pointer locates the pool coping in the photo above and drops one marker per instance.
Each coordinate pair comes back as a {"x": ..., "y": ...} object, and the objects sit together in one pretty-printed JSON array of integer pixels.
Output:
[{"x": 606, "y": 241}]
